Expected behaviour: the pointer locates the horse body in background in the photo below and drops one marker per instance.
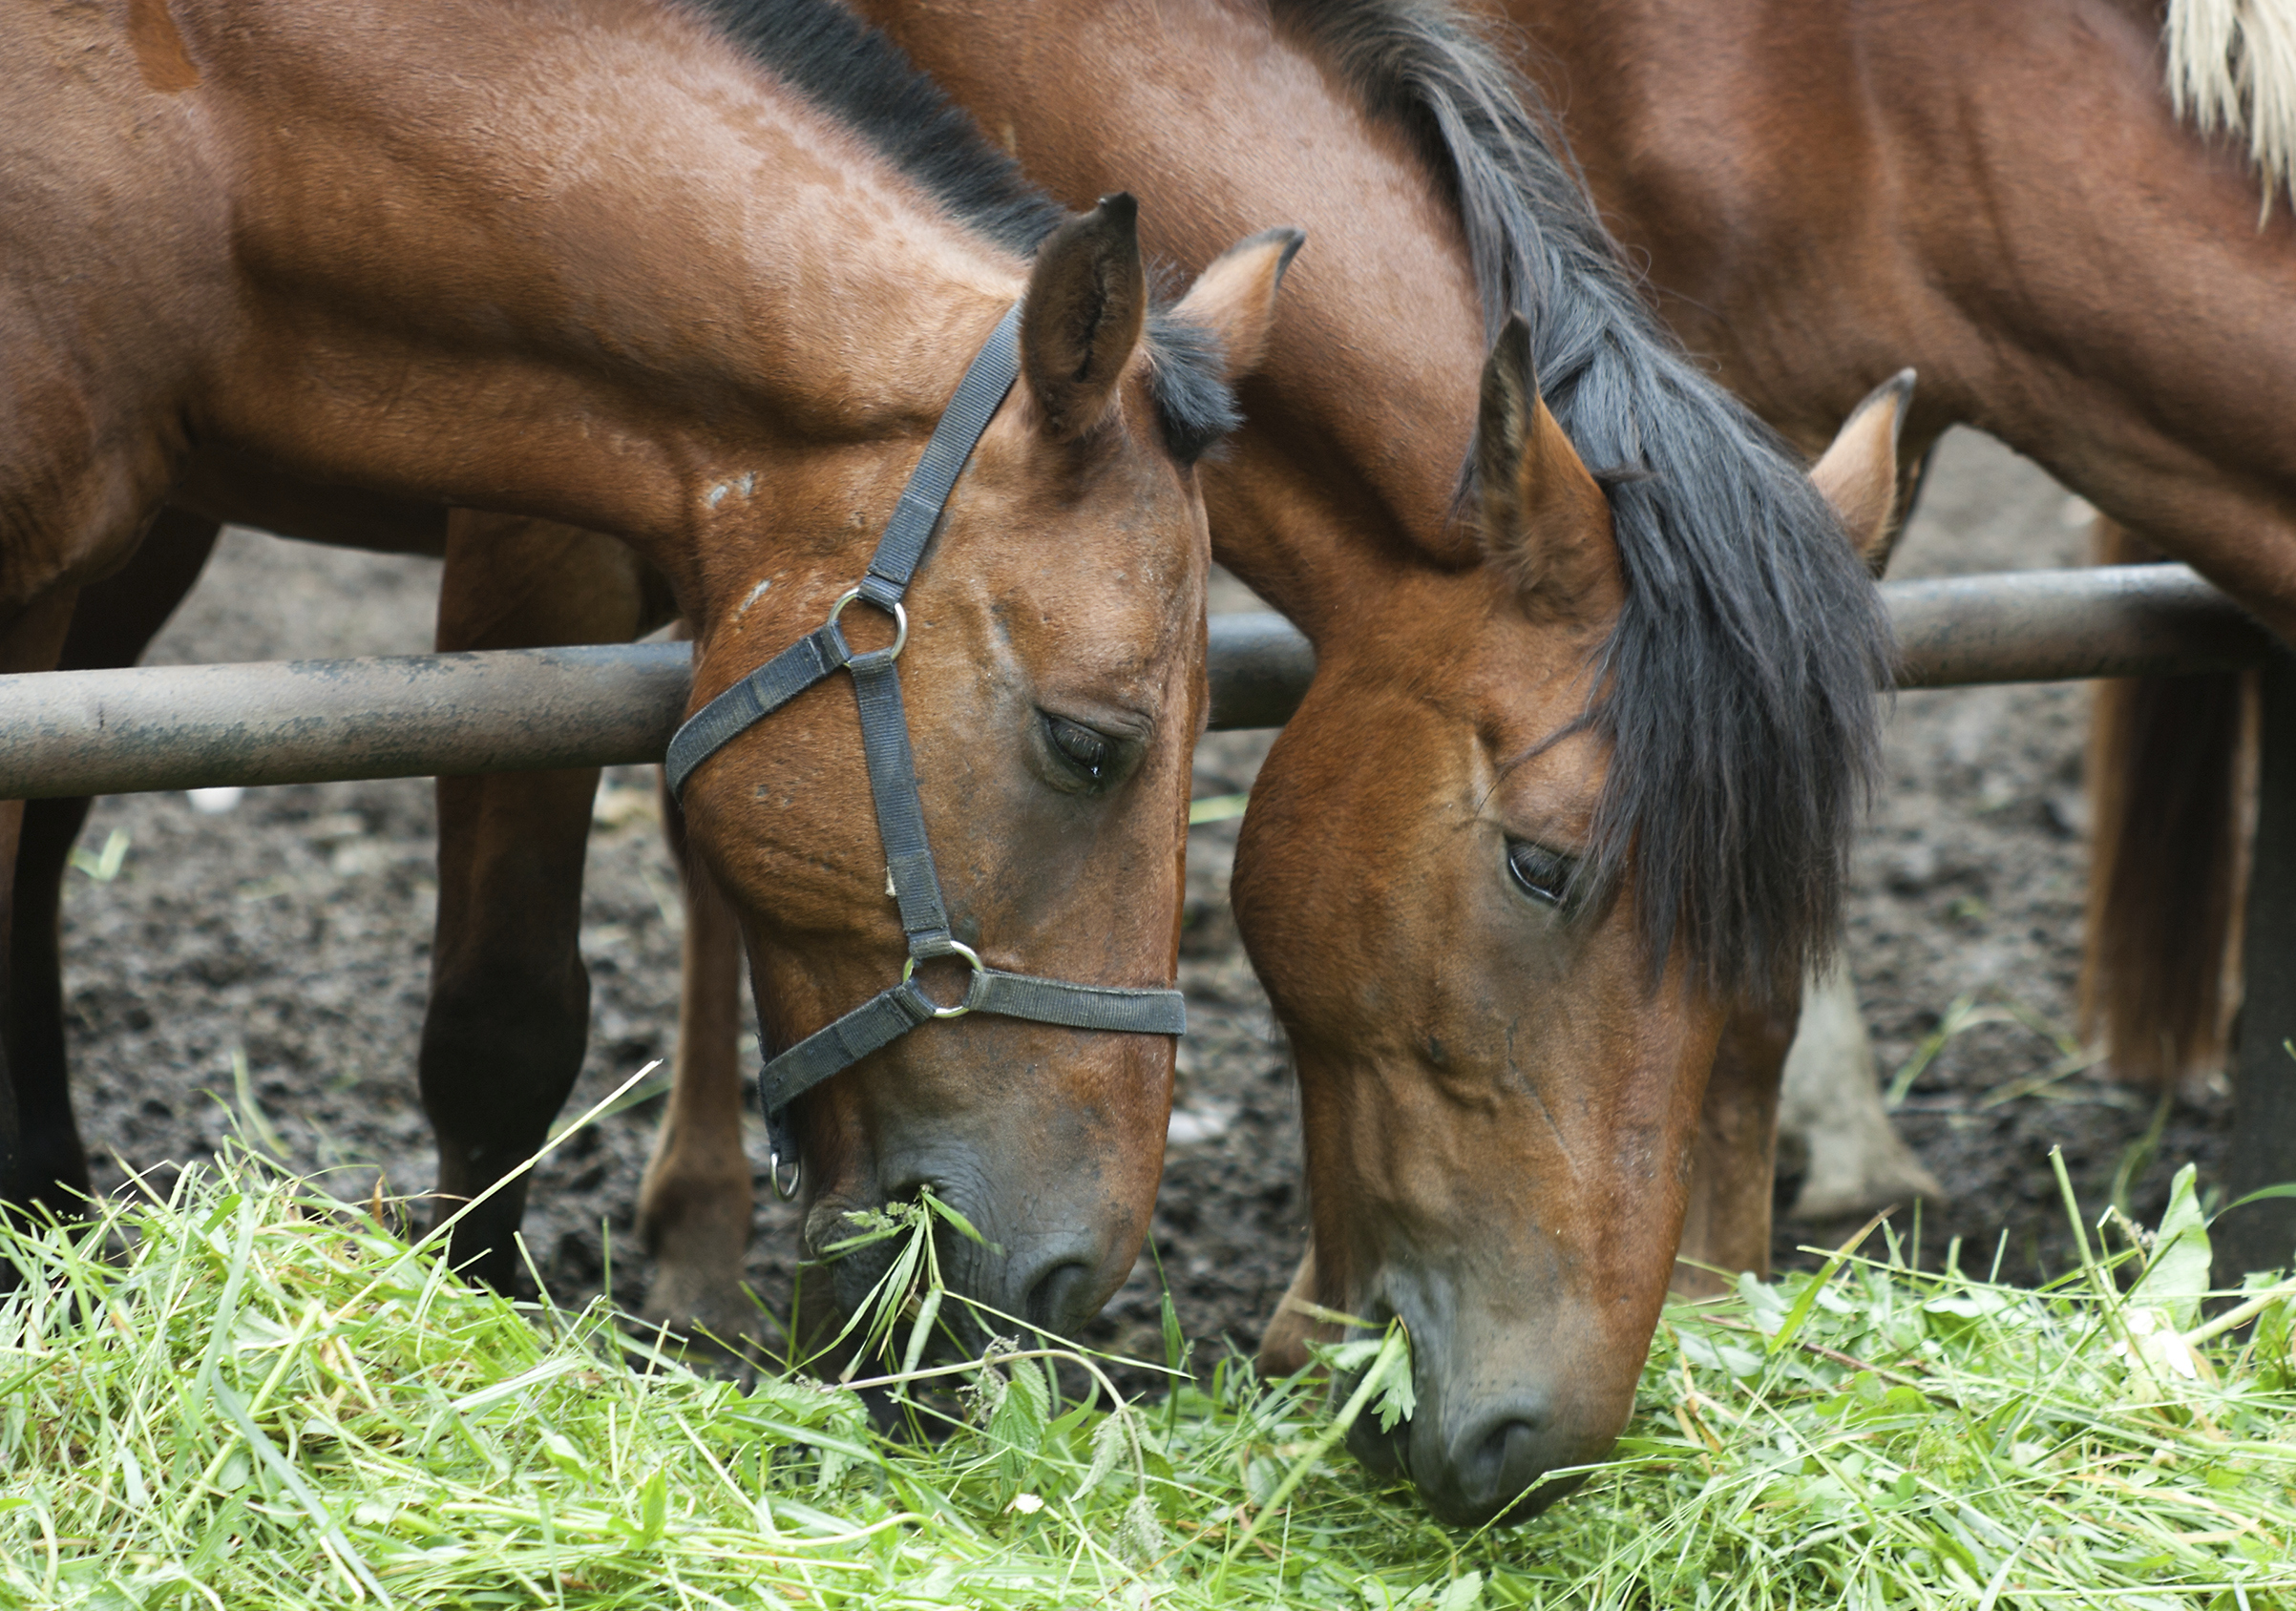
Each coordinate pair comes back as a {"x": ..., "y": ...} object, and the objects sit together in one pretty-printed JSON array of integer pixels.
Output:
[
  {"x": 2007, "y": 197},
  {"x": 668, "y": 272}
]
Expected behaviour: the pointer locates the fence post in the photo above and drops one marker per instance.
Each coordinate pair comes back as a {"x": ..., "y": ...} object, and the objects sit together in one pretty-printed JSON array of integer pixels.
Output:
[{"x": 2263, "y": 1236}]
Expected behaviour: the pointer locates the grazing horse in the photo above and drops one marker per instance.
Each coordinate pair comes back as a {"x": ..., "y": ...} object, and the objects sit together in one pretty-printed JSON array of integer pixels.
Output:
[
  {"x": 1594, "y": 701},
  {"x": 2011, "y": 198},
  {"x": 1584, "y": 744},
  {"x": 705, "y": 277}
]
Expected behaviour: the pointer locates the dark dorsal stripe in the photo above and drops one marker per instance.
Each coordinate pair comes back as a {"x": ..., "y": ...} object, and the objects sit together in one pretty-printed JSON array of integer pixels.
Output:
[{"x": 1737, "y": 687}]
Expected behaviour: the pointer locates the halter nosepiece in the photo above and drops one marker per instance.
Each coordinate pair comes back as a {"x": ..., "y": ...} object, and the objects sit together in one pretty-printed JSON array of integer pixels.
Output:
[{"x": 892, "y": 1013}]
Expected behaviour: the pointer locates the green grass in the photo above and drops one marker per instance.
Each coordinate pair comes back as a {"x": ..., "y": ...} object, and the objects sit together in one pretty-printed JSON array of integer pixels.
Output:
[{"x": 248, "y": 1394}]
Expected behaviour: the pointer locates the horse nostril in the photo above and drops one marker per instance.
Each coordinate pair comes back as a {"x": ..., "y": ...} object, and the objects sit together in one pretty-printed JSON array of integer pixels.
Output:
[
  {"x": 1059, "y": 1298},
  {"x": 1508, "y": 1447},
  {"x": 1498, "y": 1460}
]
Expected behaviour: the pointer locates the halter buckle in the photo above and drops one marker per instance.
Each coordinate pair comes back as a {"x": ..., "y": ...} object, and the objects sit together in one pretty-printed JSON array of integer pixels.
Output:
[
  {"x": 957, "y": 948},
  {"x": 900, "y": 627}
]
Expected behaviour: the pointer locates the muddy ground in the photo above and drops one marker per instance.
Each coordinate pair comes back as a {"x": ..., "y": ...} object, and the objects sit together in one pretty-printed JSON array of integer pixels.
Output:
[{"x": 293, "y": 932}]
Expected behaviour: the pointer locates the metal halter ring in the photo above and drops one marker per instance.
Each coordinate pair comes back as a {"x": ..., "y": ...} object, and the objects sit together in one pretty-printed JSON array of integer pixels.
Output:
[
  {"x": 957, "y": 948},
  {"x": 901, "y": 623},
  {"x": 773, "y": 1171}
]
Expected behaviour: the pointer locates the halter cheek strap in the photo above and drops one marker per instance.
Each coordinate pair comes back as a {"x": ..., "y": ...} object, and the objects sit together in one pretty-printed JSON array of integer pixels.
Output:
[{"x": 892, "y": 1013}]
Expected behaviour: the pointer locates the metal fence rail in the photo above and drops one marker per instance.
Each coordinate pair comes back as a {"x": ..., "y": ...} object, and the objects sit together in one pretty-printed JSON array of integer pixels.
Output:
[
  {"x": 116, "y": 732},
  {"x": 164, "y": 727}
]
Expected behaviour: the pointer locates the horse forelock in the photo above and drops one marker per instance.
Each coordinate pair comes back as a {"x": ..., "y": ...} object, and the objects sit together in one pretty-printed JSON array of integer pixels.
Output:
[
  {"x": 863, "y": 79},
  {"x": 1737, "y": 687},
  {"x": 2232, "y": 66}
]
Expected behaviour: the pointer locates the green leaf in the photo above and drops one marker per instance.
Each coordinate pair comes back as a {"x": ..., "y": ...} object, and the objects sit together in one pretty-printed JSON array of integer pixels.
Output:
[
  {"x": 921, "y": 1333},
  {"x": 1721, "y": 1356},
  {"x": 1396, "y": 1400},
  {"x": 965, "y": 1227},
  {"x": 653, "y": 1506},
  {"x": 1799, "y": 1313},
  {"x": 1347, "y": 1358},
  {"x": 1107, "y": 1448},
  {"x": 564, "y": 1454},
  {"x": 1175, "y": 1341},
  {"x": 2176, "y": 1277},
  {"x": 1018, "y": 1425},
  {"x": 2286, "y": 1188},
  {"x": 1464, "y": 1594},
  {"x": 1764, "y": 1305},
  {"x": 1215, "y": 809}
]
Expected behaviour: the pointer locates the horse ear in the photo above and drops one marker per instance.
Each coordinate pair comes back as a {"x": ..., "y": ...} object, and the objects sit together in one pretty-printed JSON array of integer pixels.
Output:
[
  {"x": 1088, "y": 299},
  {"x": 1235, "y": 295},
  {"x": 1545, "y": 521},
  {"x": 1858, "y": 475}
]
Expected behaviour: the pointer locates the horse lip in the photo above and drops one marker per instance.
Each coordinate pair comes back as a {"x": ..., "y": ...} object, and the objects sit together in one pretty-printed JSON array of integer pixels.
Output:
[{"x": 1385, "y": 1453}]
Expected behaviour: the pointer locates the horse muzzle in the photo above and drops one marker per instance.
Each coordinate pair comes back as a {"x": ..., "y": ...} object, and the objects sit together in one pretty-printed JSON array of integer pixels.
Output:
[
  {"x": 1505, "y": 1398},
  {"x": 1046, "y": 1261}
]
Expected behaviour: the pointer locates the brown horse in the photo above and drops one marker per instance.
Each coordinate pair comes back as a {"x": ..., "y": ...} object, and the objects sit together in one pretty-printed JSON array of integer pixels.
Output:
[
  {"x": 704, "y": 278},
  {"x": 1659, "y": 675},
  {"x": 1584, "y": 744},
  {"x": 2008, "y": 197}
]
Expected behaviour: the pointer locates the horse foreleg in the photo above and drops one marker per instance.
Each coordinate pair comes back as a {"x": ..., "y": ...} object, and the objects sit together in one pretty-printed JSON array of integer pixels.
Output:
[
  {"x": 1831, "y": 1112},
  {"x": 694, "y": 1203},
  {"x": 114, "y": 622},
  {"x": 510, "y": 999},
  {"x": 30, "y": 642},
  {"x": 1283, "y": 1349},
  {"x": 1726, "y": 1224}
]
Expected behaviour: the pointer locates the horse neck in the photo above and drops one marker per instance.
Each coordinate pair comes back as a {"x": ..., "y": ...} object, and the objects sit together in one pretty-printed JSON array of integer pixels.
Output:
[
  {"x": 1359, "y": 420},
  {"x": 1673, "y": 112},
  {"x": 592, "y": 268}
]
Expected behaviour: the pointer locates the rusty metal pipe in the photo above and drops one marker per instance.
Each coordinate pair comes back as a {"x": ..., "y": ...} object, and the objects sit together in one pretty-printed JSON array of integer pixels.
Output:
[{"x": 165, "y": 728}]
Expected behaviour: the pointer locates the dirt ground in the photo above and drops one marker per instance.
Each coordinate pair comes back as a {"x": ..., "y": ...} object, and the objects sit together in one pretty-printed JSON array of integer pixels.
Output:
[{"x": 293, "y": 932}]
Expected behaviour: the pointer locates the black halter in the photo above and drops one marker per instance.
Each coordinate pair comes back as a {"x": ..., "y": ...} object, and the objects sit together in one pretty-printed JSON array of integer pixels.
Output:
[{"x": 892, "y": 1013}]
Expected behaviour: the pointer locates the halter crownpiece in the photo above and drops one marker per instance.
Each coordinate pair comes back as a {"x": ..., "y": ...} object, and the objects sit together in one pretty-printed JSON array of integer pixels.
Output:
[{"x": 892, "y": 1013}]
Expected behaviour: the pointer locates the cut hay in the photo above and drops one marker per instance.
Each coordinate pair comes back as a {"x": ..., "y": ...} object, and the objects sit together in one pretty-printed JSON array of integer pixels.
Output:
[{"x": 249, "y": 1394}]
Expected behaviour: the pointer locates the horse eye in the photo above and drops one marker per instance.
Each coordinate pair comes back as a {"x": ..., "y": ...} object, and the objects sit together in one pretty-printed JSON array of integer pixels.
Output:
[
  {"x": 1090, "y": 753},
  {"x": 1543, "y": 874}
]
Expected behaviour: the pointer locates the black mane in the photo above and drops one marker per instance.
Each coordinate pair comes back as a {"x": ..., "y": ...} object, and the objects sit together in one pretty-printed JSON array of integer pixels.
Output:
[
  {"x": 865, "y": 82},
  {"x": 1737, "y": 690}
]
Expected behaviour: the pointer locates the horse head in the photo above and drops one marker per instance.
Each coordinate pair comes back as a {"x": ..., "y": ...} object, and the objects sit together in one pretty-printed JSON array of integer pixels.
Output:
[
  {"x": 1501, "y": 1080},
  {"x": 1049, "y": 661}
]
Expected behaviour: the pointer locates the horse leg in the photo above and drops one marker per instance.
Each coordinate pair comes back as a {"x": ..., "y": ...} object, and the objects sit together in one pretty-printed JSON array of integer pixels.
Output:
[
  {"x": 1283, "y": 1347},
  {"x": 694, "y": 1203},
  {"x": 30, "y": 641},
  {"x": 2263, "y": 1152},
  {"x": 1726, "y": 1222},
  {"x": 510, "y": 999},
  {"x": 2168, "y": 760},
  {"x": 114, "y": 621},
  {"x": 1830, "y": 1112}
]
